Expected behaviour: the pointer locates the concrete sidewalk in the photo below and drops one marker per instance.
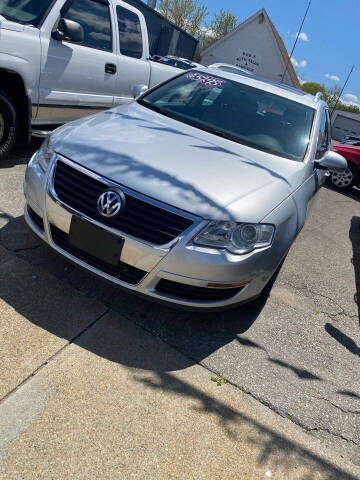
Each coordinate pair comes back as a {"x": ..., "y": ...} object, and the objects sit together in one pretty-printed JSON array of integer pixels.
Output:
[{"x": 111, "y": 401}]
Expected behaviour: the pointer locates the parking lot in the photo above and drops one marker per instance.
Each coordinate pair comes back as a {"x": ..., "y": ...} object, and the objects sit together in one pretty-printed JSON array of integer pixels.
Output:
[{"x": 97, "y": 383}]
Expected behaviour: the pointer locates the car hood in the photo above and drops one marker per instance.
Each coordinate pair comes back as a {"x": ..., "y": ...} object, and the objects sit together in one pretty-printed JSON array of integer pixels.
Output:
[{"x": 180, "y": 165}]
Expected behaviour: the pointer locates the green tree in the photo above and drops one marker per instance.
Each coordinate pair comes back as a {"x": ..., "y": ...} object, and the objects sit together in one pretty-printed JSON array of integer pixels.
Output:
[
  {"x": 186, "y": 14},
  {"x": 222, "y": 23},
  {"x": 313, "y": 88},
  {"x": 330, "y": 95},
  {"x": 347, "y": 108}
]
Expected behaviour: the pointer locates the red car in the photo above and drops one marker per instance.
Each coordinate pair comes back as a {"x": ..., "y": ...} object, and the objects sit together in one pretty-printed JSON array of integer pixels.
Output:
[{"x": 351, "y": 176}]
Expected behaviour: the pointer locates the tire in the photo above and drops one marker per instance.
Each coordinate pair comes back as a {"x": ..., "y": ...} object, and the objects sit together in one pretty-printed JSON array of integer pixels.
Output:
[
  {"x": 8, "y": 128},
  {"x": 344, "y": 181}
]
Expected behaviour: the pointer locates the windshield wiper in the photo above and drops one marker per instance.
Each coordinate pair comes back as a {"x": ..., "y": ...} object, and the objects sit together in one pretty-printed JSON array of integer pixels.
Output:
[
  {"x": 215, "y": 131},
  {"x": 157, "y": 109},
  {"x": 151, "y": 106}
]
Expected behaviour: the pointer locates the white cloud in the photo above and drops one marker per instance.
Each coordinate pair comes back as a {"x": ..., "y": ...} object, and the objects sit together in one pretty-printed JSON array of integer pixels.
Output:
[
  {"x": 301, "y": 64},
  {"x": 304, "y": 37},
  {"x": 332, "y": 77},
  {"x": 351, "y": 97},
  {"x": 208, "y": 32}
]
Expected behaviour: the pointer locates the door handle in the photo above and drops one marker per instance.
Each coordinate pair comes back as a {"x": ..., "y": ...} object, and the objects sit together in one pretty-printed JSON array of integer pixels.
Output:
[{"x": 110, "y": 68}]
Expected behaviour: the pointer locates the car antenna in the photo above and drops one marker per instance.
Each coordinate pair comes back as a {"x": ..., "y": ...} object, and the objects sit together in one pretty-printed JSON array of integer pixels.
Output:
[
  {"x": 296, "y": 39},
  {"x": 343, "y": 88}
]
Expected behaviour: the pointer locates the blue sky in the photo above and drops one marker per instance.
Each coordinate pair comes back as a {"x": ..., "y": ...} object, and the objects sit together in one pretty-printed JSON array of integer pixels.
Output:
[{"x": 332, "y": 31}]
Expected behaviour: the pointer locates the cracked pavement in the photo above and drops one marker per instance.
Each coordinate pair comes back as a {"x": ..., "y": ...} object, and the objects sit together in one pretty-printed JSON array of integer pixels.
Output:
[{"x": 298, "y": 353}]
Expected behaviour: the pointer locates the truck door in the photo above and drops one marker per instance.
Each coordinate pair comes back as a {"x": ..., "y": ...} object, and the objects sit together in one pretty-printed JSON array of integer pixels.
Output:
[
  {"x": 133, "y": 51},
  {"x": 78, "y": 79}
]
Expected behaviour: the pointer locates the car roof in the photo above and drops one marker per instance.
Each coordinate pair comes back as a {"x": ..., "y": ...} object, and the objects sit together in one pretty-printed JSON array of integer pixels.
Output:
[{"x": 282, "y": 90}]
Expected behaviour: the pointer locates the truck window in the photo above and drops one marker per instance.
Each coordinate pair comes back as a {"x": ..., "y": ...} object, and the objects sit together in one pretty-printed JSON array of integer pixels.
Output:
[
  {"x": 130, "y": 33},
  {"x": 94, "y": 17}
]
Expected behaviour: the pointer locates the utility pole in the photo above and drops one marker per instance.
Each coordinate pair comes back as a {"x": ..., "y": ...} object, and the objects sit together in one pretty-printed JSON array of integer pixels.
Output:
[
  {"x": 343, "y": 88},
  {"x": 296, "y": 39}
]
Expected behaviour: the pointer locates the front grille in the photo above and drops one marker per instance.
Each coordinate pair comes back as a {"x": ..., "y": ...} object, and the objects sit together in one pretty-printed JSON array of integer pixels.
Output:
[
  {"x": 137, "y": 218},
  {"x": 35, "y": 218},
  {"x": 126, "y": 273},
  {"x": 191, "y": 292}
]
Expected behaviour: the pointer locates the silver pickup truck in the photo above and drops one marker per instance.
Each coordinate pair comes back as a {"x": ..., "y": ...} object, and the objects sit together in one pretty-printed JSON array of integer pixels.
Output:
[{"x": 63, "y": 59}]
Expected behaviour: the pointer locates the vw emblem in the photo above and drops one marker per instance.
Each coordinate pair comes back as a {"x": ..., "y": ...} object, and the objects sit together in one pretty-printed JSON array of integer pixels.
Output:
[{"x": 109, "y": 204}]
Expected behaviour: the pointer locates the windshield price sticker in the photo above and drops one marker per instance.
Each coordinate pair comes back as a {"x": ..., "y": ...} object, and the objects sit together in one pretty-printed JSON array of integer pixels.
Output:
[{"x": 207, "y": 80}]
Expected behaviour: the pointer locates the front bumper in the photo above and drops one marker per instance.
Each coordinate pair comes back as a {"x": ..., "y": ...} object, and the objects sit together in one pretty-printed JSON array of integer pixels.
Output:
[{"x": 177, "y": 273}]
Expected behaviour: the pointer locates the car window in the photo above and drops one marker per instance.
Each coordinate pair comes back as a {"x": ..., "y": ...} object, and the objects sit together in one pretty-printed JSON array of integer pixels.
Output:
[
  {"x": 231, "y": 109},
  {"x": 130, "y": 33},
  {"x": 94, "y": 17},
  {"x": 324, "y": 135},
  {"x": 328, "y": 128}
]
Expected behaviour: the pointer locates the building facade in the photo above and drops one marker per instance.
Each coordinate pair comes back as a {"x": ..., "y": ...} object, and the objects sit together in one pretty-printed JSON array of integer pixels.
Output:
[
  {"x": 345, "y": 123},
  {"x": 256, "y": 46}
]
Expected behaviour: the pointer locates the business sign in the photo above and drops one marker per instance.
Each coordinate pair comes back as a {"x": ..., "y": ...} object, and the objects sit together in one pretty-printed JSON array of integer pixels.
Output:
[{"x": 249, "y": 61}]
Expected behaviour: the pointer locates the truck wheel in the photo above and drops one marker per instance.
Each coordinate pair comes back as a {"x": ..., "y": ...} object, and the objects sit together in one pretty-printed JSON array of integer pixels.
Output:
[
  {"x": 7, "y": 125},
  {"x": 345, "y": 180}
]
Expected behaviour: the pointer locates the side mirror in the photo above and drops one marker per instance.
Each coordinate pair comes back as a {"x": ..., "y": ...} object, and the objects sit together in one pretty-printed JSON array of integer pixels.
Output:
[
  {"x": 138, "y": 90},
  {"x": 68, "y": 30},
  {"x": 331, "y": 161}
]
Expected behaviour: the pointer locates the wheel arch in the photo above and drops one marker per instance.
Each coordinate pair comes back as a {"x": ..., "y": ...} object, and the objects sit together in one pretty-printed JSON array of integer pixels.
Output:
[{"x": 13, "y": 85}]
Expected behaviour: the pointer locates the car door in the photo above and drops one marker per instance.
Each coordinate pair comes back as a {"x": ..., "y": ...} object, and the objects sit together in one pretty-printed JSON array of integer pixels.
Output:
[
  {"x": 305, "y": 195},
  {"x": 133, "y": 63},
  {"x": 78, "y": 79}
]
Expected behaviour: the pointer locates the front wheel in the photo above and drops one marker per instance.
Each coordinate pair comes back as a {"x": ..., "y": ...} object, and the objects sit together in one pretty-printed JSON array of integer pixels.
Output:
[
  {"x": 7, "y": 125},
  {"x": 344, "y": 180}
]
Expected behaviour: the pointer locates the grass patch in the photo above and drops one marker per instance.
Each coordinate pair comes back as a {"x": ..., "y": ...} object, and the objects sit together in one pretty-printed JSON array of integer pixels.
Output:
[{"x": 219, "y": 380}]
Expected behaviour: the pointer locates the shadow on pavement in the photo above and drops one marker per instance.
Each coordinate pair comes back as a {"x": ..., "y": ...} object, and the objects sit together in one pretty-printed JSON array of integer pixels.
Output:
[
  {"x": 195, "y": 334},
  {"x": 300, "y": 372},
  {"x": 354, "y": 235},
  {"x": 116, "y": 340},
  {"x": 21, "y": 154},
  {"x": 353, "y": 193},
  {"x": 289, "y": 458},
  {"x": 343, "y": 339},
  {"x": 336, "y": 333}
]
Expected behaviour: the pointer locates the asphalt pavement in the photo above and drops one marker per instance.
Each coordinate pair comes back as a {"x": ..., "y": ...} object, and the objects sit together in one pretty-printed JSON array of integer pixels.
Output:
[{"x": 295, "y": 355}]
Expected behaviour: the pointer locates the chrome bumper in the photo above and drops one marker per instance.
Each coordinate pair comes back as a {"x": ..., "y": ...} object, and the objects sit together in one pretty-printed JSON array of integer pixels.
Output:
[{"x": 180, "y": 261}]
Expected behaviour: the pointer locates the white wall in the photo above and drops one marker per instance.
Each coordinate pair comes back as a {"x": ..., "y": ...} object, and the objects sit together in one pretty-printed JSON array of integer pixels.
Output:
[{"x": 256, "y": 38}]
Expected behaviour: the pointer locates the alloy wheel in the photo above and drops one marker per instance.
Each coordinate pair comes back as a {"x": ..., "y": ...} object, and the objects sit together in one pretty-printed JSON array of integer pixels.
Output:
[{"x": 342, "y": 180}]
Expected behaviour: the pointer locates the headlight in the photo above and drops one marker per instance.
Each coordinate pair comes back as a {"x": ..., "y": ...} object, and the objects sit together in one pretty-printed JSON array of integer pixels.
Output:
[
  {"x": 45, "y": 154},
  {"x": 236, "y": 237}
]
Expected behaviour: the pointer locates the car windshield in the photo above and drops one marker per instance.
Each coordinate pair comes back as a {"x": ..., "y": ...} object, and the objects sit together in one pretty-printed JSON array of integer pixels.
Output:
[
  {"x": 24, "y": 11},
  {"x": 236, "y": 111}
]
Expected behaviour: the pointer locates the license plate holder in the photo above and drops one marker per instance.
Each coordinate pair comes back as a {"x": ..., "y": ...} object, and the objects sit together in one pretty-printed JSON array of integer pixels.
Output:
[{"x": 95, "y": 241}]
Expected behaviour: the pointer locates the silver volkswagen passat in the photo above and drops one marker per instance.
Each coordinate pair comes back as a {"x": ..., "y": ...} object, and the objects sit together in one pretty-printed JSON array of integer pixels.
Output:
[{"x": 192, "y": 194}]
